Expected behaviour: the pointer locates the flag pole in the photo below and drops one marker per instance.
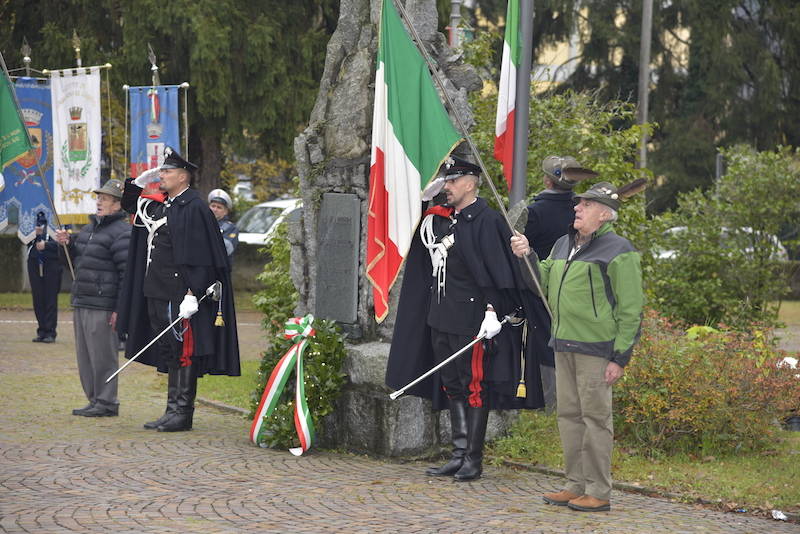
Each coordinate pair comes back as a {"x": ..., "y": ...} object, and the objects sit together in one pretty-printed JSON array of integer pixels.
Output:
[
  {"x": 38, "y": 167},
  {"x": 463, "y": 130},
  {"x": 519, "y": 169}
]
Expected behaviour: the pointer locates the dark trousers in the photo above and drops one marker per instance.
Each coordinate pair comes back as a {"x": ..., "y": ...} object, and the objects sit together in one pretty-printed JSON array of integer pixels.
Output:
[
  {"x": 463, "y": 378},
  {"x": 44, "y": 290},
  {"x": 161, "y": 313}
]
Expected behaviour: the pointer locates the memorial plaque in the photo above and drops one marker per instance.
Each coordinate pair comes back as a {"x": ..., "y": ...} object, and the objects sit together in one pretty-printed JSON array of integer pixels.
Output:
[{"x": 338, "y": 240}]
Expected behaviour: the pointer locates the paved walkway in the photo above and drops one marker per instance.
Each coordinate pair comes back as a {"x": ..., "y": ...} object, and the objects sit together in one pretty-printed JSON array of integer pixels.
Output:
[{"x": 60, "y": 473}]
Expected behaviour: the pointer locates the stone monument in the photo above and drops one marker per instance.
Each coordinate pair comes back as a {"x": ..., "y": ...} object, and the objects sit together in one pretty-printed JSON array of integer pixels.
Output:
[{"x": 333, "y": 155}]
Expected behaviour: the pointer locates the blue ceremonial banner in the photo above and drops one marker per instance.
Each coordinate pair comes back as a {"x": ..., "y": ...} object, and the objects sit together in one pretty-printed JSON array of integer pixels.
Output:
[
  {"x": 24, "y": 193},
  {"x": 154, "y": 124}
]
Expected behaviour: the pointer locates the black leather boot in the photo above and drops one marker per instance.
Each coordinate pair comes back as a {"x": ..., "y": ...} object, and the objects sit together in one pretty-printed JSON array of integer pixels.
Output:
[
  {"x": 187, "y": 390},
  {"x": 473, "y": 461},
  {"x": 172, "y": 400},
  {"x": 458, "y": 425}
]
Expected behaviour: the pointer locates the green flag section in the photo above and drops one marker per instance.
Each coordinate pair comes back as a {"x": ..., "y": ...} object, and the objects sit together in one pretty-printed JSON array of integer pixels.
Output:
[
  {"x": 411, "y": 137},
  {"x": 14, "y": 142},
  {"x": 506, "y": 94}
]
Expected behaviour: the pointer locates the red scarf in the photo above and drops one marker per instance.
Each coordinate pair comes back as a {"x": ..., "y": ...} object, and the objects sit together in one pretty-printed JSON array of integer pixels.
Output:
[
  {"x": 152, "y": 192},
  {"x": 441, "y": 211}
]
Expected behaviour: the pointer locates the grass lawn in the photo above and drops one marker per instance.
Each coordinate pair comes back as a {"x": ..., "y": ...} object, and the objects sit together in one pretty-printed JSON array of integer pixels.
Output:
[
  {"x": 235, "y": 391},
  {"x": 22, "y": 301},
  {"x": 789, "y": 312},
  {"x": 751, "y": 481},
  {"x": 232, "y": 390}
]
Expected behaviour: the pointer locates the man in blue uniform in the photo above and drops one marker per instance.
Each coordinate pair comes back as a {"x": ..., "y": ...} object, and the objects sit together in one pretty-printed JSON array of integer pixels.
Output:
[
  {"x": 176, "y": 253},
  {"x": 44, "y": 274},
  {"x": 220, "y": 203}
]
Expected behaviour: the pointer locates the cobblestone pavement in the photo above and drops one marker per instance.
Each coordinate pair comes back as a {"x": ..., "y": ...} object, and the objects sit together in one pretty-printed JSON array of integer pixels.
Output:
[{"x": 60, "y": 473}]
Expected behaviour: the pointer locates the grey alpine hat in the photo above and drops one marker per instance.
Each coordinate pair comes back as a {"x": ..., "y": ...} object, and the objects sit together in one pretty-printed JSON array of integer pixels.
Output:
[
  {"x": 112, "y": 187},
  {"x": 565, "y": 171},
  {"x": 604, "y": 193}
]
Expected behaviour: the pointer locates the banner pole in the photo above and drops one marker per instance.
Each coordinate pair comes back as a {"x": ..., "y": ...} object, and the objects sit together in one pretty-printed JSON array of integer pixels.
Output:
[
  {"x": 126, "y": 168},
  {"x": 110, "y": 128},
  {"x": 185, "y": 87},
  {"x": 38, "y": 167}
]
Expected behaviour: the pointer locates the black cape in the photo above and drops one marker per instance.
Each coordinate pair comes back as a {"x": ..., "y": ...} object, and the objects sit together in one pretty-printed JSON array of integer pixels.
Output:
[
  {"x": 484, "y": 243},
  {"x": 549, "y": 217},
  {"x": 199, "y": 254}
]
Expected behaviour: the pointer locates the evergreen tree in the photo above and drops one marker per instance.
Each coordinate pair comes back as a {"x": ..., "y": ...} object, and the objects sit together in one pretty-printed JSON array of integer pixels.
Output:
[{"x": 725, "y": 72}]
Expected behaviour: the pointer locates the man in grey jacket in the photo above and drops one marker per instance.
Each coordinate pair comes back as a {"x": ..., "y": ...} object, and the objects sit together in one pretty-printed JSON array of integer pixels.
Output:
[{"x": 100, "y": 251}]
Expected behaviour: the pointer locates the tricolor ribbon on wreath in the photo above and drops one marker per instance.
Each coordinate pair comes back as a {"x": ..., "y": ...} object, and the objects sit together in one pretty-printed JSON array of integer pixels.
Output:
[{"x": 297, "y": 329}]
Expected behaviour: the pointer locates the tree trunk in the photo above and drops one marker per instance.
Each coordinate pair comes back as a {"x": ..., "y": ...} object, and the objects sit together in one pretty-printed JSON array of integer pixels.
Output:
[{"x": 206, "y": 149}]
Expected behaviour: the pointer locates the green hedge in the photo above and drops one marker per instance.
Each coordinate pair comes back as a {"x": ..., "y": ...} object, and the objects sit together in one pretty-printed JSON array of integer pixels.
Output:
[
  {"x": 704, "y": 390},
  {"x": 11, "y": 275}
]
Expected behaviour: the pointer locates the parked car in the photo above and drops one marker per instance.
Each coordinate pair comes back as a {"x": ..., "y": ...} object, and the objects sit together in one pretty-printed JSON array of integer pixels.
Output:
[
  {"x": 258, "y": 223},
  {"x": 779, "y": 251}
]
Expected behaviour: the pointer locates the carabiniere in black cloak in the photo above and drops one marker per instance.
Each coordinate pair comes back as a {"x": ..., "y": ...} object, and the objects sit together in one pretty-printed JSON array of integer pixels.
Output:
[
  {"x": 484, "y": 241},
  {"x": 199, "y": 255}
]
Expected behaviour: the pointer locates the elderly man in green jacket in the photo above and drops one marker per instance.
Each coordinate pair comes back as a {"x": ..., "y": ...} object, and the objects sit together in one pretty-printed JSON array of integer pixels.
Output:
[{"x": 593, "y": 283}]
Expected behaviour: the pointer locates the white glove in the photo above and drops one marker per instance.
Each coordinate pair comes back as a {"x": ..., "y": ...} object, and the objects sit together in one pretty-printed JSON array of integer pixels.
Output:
[
  {"x": 150, "y": 175},
  {"x": 433, "y": 188},
  {"x": 490, "y": 326},
  {"x": 188, "y": 306}
]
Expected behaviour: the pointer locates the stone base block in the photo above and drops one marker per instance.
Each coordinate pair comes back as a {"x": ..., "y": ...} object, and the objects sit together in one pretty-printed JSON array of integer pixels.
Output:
[{"x": 367, "y": 421}]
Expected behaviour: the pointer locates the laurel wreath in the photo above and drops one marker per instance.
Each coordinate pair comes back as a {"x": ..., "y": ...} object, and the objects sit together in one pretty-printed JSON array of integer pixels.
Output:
[{"x": 322, "y": 365}]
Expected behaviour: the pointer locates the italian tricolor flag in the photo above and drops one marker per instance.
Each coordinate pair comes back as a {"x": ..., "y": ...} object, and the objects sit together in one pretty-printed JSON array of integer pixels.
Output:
[
  {"x": 411, "y": 137},
  {"x": 506, "y": 98}
]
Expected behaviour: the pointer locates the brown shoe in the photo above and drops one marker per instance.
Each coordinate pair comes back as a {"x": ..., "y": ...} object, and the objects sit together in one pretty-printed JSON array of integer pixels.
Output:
[
  {"x": 559, "y": 499},
  {"x": 587, "y": 503}
]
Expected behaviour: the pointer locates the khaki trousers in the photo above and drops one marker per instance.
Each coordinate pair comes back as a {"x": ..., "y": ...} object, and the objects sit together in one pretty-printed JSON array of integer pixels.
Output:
[{"x": 584, "y": 423}]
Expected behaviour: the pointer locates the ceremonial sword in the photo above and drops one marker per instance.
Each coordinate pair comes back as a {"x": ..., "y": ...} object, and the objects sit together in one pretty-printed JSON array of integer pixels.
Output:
[
  {"x": 449, "y": 359},
  {"x": 215, "y": 290}
]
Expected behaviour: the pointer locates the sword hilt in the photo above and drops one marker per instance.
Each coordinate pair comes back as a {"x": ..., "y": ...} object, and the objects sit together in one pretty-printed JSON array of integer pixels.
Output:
[
  {"x": 214, "y": 291},
  {"x": 396, "y": 394}
]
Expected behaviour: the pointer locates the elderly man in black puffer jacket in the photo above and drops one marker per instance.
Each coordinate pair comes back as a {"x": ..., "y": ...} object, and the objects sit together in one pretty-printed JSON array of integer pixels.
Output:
[{"x": 100, "y": 251}]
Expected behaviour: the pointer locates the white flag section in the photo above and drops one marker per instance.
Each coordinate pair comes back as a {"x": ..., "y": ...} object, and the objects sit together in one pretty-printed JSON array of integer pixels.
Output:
[{"x": 76, "y": 138}]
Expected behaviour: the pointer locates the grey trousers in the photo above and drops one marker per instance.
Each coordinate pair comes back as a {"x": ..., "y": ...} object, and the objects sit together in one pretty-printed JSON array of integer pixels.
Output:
[
  {"x": 96, "y": 346},
  {"x": 585, "y": 423}
]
